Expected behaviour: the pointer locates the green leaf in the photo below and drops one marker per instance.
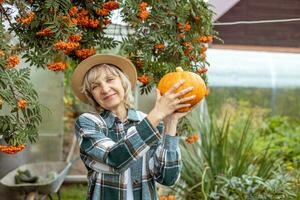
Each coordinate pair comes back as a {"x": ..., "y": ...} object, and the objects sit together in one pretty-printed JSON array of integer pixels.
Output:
[{"x": 15, "y": 109}]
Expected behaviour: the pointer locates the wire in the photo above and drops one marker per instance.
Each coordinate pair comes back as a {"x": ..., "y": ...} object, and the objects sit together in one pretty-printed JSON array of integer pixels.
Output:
[
  {"x": 241, "y": 22},
  {"x": 256, "y": 22},
  {"x": 215, "y": 24}
]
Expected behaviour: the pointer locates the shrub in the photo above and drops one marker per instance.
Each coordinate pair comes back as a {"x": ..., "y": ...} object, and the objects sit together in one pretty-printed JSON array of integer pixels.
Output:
[
  {"x": 283, "y": 134},
  {"x": 253, "y": 187},
  {"x": 219, "y": 154}
]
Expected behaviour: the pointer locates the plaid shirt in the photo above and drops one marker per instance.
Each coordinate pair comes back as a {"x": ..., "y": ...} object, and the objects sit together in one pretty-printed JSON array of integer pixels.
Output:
[{"x": 109, "y": 148}]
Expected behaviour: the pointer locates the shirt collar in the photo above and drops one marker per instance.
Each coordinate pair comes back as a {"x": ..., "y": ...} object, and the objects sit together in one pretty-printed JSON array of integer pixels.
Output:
[{"x": 110, "y": 118}]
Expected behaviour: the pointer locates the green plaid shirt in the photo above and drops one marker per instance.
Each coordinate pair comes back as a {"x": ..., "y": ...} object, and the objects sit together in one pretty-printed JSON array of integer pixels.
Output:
[{"x": 109, "y": 148}]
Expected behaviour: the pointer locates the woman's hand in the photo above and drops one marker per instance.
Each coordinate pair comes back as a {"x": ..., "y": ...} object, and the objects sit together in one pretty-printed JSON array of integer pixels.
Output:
[
  {"x": 169, "y": 103},
  {"x": 171, "y": 121}
]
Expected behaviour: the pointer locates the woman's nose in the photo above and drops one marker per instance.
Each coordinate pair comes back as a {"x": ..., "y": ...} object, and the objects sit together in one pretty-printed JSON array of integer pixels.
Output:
[{"x": 105, "y": 88}]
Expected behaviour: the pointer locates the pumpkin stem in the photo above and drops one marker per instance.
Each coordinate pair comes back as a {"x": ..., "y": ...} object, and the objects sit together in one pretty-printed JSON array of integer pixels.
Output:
[{"x": 179, "y": 69}]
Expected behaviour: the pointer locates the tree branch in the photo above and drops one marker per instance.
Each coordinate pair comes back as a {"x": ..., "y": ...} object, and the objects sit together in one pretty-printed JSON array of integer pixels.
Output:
[{"x": 6, "y": 15}]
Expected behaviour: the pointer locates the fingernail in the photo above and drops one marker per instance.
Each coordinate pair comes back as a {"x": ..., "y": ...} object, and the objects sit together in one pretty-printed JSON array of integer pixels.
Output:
[{"x": 182, "y": 81}]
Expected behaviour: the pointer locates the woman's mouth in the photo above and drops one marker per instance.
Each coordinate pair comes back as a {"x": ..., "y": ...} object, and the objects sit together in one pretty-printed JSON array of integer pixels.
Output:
[{"x": 109, "y": 97}]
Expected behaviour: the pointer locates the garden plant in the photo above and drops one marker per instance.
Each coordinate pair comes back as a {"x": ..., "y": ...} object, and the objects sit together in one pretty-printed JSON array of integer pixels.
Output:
[{"x": 230, "y": 159}]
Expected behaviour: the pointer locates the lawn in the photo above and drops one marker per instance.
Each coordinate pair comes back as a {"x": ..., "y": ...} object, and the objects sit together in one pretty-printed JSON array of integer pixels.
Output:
[{"x": 72, "y": 192}]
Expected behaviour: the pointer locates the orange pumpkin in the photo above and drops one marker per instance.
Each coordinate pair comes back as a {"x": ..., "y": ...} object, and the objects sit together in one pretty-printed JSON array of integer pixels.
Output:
[{"x": 191, "y": 79}]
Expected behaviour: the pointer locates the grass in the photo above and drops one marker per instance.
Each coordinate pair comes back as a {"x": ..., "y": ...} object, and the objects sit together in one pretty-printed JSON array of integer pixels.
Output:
[{"x": 72, "y": 192}]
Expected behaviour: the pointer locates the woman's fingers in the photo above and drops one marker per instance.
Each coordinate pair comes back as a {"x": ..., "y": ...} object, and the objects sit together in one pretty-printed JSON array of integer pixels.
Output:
[
  {"x": 183, "y": 92},
  {"x": 182, "y": 105},
  {"x": 175, "y": 87},
  {"x": 171, "y": 101},
  {"x": 182, "y": 100},
  {"x": 191, "y": 109}
]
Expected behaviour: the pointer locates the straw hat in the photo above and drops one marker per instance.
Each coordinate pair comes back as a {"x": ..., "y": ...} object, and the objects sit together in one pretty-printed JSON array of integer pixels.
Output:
[{"x": 124, "y": 64}]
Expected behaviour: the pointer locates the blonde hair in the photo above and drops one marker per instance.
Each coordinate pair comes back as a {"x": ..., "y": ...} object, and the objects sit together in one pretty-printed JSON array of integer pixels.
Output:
[{"x": 91, "y": 76}]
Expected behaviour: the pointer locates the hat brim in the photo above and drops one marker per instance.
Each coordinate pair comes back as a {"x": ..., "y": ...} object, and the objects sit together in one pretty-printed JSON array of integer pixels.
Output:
[{"x": 124, "y": 64}]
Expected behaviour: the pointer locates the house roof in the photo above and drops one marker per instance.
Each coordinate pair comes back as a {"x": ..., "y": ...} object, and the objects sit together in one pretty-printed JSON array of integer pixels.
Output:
[{"x": 221, "y": 7}]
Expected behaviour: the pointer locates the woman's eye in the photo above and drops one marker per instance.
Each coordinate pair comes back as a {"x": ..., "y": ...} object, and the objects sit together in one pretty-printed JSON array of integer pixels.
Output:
[
  {"x": 110, "y": 79},
  {"x": 94, "y": 87}
]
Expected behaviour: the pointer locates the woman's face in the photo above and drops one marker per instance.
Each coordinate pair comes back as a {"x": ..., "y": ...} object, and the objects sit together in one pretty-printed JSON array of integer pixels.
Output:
[{"x": 108, "y": 91}]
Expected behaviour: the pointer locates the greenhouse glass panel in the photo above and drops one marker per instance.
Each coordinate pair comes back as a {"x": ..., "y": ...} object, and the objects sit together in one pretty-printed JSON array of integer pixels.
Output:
[
  {"x": 266, "y": 79},
  {"x": 49, "y": 86}
]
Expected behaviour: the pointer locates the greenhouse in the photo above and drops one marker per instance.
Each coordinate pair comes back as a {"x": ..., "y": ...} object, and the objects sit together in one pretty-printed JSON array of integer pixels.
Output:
[
  {"x": 266, "y": 79},
  {"x": 150, "y": 100}
]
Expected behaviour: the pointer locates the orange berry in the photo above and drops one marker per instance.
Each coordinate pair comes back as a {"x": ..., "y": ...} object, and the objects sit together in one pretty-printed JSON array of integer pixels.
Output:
[
  {"x": 27, "y": 19},
  {"x": 93, "y": 23},
  {"x": 209, "y": 38},
  {"x": 111, "y": 5},
  {"x": 73, "y": 11},
  {"x": 179, "y": 26},
  {"x": 189, "y": 140},
  {"x": 12, "y": 61},
  {"x": 196, "y": 137},
  {"x": 66, "y": 46},
  {"x": 187, "y": 44},
  {"x": 60, "y": 45},
  {"x": 11, "y": 149},
  {"x": 205, "y": 39},
  {"x": 144, "y": 79},
  {"x": 83, "y": 12},
  {"x": 45, "y": 32},
  {"x": 203, "y": 49},
  {"x": 75, "y": 38},
  {"x": 188, "y": 48},
  {"x": 143, "y": 6},
  {"x": 73, "y": 21},
  {"x": 85, "y": 53},
  {"x": 59, "y": 66},
  {"x": 159, "y": 46},
  {"x": 201, "y": 39},
  {"x": 106, "y": 22},
  {"x": 144, "y": 14},
  {"x": 103, "y": 12},
  {"x": 187, "y": 27},
  {"x": 192, "y": 138},
  {"x": 202, "y": 70},
  {"x": 22, "y": 104}
]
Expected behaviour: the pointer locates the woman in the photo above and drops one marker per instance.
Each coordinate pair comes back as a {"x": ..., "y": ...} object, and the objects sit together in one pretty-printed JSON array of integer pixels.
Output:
[{"x": 124, "y": 150}]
